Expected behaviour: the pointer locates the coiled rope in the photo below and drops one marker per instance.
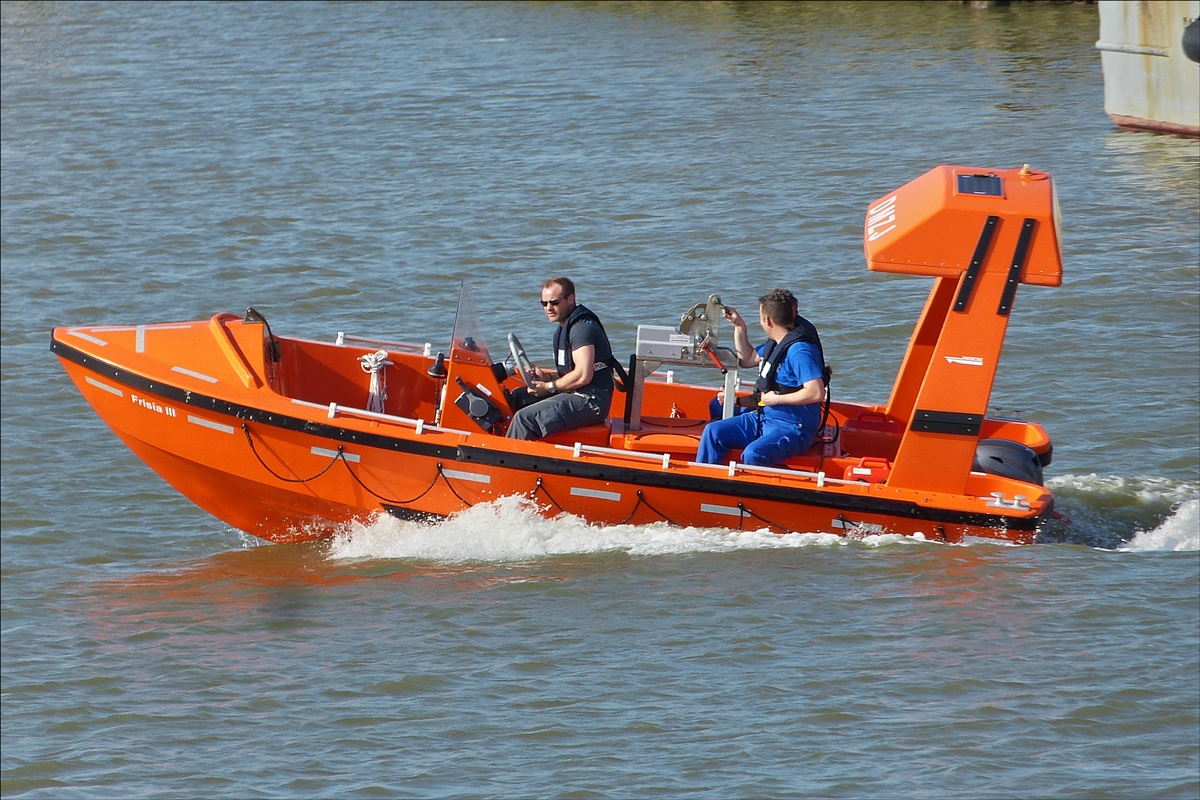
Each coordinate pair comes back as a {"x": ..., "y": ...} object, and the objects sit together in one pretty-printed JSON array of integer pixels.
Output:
[{"x": 373, "y": 364}]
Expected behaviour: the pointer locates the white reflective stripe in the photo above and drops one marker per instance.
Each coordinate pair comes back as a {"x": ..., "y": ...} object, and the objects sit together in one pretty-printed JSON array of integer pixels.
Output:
[
  {"x": 104, "y": 386},
  {"x": 321, "y": 451},
  {"x": 87, "y": 338},
  {"x": 216, "y": 426},
  {"x": 711, "y": 509},
  {"x": 467, "y": 476},
  {"x": 599, "y": 495},
  {"x": 194, "y": 374},
  {"x": 139, "y": 341}
]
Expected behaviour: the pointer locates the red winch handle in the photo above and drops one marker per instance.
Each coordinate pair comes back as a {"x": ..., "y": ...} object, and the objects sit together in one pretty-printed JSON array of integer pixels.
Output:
[{"x": 704, "y": 346}]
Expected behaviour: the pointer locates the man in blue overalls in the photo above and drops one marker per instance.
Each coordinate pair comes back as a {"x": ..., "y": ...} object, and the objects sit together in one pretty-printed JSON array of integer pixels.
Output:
[
  {"x": 788, "y": 393},
  {"x": 581, "y": 392}
]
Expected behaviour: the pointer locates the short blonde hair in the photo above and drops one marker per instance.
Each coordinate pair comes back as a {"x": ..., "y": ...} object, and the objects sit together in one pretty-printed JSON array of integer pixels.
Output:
[{"x": 568, "y": 287}]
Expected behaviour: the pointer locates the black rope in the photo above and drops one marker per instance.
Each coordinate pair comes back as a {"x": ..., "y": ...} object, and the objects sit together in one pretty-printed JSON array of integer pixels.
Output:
[
  {"x": 748, "y": 513},
  {"x": 652, "y": 508},
  {"x": 378, "y": 496},
  {"x": 450, "y": 486},
  {"x": 641, "y": 501},
  {"x": 541, "y": 487},
  {"x": 825, "y": 419},
  {"x": 341, "y": 456},
  {"x": 636, "y": 506},
  {"x": 253, "y": 449}
]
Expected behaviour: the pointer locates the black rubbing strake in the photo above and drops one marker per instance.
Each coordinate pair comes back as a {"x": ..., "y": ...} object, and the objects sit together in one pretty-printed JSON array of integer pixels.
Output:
[
  {"x": 968, "y": 283},
  {"x": 1014, "y": 271}
]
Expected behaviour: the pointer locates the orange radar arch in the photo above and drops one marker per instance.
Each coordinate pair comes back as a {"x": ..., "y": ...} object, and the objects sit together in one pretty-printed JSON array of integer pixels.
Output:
[{"x": 927, "y": 227}]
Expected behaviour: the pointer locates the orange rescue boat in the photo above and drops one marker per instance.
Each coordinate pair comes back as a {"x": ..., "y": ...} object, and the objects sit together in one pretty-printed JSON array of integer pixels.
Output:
[{"x": 288, "y": 439}]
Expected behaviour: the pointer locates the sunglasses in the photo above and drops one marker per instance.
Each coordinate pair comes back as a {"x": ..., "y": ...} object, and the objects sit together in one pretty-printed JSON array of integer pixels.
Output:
[{"x": 554, "y": 303}]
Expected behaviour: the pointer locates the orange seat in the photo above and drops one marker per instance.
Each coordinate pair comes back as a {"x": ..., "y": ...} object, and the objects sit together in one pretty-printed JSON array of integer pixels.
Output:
[{"x": 589, "y": 434}]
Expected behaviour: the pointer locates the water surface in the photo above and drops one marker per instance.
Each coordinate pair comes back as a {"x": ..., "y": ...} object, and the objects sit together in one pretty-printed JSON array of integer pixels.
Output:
[{"x": 343, "y": 167}]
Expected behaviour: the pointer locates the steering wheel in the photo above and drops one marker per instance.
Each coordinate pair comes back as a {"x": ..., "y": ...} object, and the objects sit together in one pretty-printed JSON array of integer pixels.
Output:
[{"x": 524, "y": 365}]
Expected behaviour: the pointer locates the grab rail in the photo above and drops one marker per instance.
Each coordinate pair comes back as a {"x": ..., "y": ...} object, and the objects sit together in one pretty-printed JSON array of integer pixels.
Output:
[
  {"x": 426, "y": 349},
  {"x": 731, "y": 470},
  {"x": 579, "y": 448},
  {"x": 230, "y": 350},
  {"x": 333, "y": 409}
]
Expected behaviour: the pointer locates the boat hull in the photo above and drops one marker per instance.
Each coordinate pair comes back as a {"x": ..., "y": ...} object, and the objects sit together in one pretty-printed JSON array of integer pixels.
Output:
[{"x": 286, "y": 478}]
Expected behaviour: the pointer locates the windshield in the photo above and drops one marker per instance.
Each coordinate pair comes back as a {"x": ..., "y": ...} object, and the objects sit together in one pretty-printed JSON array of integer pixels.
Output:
[{"x": 468, "y": 345}]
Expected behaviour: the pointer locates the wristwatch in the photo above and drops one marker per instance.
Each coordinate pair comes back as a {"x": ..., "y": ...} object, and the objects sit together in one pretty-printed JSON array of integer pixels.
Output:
[{"x": 553, "y": 388}]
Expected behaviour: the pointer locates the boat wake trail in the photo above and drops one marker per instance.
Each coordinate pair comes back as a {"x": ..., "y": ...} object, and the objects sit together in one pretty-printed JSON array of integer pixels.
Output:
[
  {"x": 1128, "y": 514},
  {"x": 1143, "y": 514},
  {"x": 511, "y": 529},
  {"x": 1181, "y": 531}
]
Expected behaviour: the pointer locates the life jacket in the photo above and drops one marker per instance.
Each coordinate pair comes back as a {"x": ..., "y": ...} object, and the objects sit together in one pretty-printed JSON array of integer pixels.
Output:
[
  {"x": 774, "y": 353},
  {"x": 563, "y": 361}
]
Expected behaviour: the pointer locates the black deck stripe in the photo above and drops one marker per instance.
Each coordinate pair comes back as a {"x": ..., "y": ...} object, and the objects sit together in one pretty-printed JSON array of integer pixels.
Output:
[
  {"x": 248, "y": 413},
  {"x": 985, "y": 238},
  {"x": 946, "y": 422},
  {"x": 729, "y": 488},
  {"x": 554, "y": 466},
  {"x": 1014, "y": 271}
]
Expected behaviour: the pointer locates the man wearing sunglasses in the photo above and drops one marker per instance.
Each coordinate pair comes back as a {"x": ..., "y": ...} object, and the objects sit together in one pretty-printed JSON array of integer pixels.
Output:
[{"x": 580, "y": 390}]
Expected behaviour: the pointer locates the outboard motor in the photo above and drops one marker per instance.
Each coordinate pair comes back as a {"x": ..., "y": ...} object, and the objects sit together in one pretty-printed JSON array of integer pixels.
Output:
[{"x": 1008, "y": 459}]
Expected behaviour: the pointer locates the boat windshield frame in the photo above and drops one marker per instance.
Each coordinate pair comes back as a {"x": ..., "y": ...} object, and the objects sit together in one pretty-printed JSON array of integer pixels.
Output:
[{"x": 467, "y": 343}]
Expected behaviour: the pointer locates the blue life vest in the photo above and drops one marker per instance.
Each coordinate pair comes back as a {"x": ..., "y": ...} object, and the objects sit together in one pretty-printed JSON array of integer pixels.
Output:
[
  {"x": 774, "y": 353},
  {"x": 563, "y": 361}
]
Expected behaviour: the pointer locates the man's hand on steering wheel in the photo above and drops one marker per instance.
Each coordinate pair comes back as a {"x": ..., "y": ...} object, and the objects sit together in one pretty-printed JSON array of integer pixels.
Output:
[{"x": 541, "y": 388}]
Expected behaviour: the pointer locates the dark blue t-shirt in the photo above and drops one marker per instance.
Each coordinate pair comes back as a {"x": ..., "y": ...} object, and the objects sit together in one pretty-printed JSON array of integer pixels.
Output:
[{"x": 584, "y": 332}]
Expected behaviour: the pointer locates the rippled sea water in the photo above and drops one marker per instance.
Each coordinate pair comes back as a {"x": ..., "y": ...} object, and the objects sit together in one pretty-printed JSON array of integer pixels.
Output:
[{"x": 343, "y": 167}]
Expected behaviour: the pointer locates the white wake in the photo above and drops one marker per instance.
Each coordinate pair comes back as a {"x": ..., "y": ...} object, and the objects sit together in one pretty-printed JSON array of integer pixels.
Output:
[
  {"x": 1170, "y": 508},
  {"x": 1179, "y": 532},
  {"x": 511, "y": 529}
]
